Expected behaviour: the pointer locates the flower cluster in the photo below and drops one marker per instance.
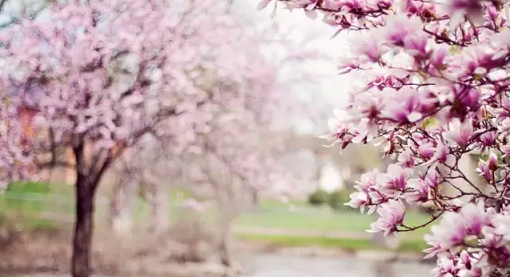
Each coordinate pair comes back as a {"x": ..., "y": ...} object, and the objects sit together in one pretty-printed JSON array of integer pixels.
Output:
[{"x": 443, "y": 97}]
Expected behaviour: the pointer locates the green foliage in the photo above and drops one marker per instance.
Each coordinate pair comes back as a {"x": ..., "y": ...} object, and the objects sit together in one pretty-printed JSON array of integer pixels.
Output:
[
  {"x": 337, "y": 200},
  {"x": 318, "y": 197}
]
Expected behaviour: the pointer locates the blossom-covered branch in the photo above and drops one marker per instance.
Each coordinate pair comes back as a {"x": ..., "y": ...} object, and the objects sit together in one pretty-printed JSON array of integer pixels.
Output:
[{"x": 437, "y": 90}]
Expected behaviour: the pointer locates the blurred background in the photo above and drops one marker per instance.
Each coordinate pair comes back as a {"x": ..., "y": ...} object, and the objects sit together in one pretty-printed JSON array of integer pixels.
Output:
[{"x": 167, "y": 212}]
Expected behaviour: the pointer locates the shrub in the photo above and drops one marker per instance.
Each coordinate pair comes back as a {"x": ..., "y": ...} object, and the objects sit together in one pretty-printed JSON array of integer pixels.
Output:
[
  {"x": 318, "y": 197},
  {"x": 338, "y": 198}
]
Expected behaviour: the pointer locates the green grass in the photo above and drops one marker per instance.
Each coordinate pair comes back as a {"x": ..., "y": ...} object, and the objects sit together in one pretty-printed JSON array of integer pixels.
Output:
[
  {"x": 320, "y": 220},
  {"x": 23, "y": 213},
  {"x": 411, "y": 246}
]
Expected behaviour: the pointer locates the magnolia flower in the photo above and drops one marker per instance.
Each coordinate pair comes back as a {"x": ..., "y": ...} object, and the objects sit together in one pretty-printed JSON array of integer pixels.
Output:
[
  {"x": 475, "y": 218},
  {"x": 432, "y": 178},
  {"x": 399, "y": 27},
  {"x": 346, "y": 65},
  {"x": 416, "y": 44},
  {"x": 484, "y": 171},
  {"x": 465, "y": 259},
  {"x": 486, "y": 168},
  {"x": 442, "y": 154},
  {"x": 455, "y": 228},
  {"x": 369, "y": 48},
  {"x": 406, "y": 159},
  {"x": 358, "y": 199},
  {"x": 438, "y": 57},
  {"x": 426, "y": 151},
  {"x": 368, "y": 180},
  {"x": 445, "y": 235},
  {"x": 420, "y": 188},
  {"x": 467, "y": 268},
  {"x": 419, "y": 193},
  {"x": 403, "y": 106},
  {"x": 502, "y": 226},
  {"x": 395, "y": 179},
  {"x": 369, "y": 105},
  {"x": 445, "y": 267},
  {"x": 488, "y": 138},
  {"x": 436, "y": 246},
  {"x": 492, "y": 161},
  {"x": 391, "y": 214},
  {"x": 459, "y": 132}
]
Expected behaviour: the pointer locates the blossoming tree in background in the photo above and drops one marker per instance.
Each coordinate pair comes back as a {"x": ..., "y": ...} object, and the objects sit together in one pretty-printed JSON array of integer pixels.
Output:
[
  {"x": 437, "y": 89},
  {"x": 236, "y": 154},
  {"x": 100, "y": 75}
]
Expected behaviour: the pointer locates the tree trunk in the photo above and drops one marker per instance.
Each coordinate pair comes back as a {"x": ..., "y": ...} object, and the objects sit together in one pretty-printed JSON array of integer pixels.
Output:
[
  {"x": 84, "y": 226},
  {"x": 254, "y": 193}
]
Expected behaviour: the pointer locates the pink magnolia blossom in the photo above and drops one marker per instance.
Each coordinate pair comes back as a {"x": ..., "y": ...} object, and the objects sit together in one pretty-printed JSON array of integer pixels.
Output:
[
  {"x": 420, "y": 191},
  {"x": 484, "y": 171},
  {"x": 368, "y": 180},
  {"x": 399, "y": 27},
  {"x": 445, "y": 267},
  {"x": 446, "y": 236},
  {"x": 469, "y": 222},
  {"x": 502, "y": 226},
  {"x": 394, "y": 180},
  {"x": 475, "y": 218},
  {"x": 368, "y": 47},
  {"x": 488, "y": 138},
  {"x": 406, "y": 159},
  {"x": 438, "y": 57},
  {"x": 442, "y": 154},
  {"x": 427, "y": 151},
  {"x": 421, "y": 188},
  {"x": 358, "y": 199},
  {"x": 459, "y": 132},
  {"x": 391, "y": 214},
  {"x": 487, "y": 168}
]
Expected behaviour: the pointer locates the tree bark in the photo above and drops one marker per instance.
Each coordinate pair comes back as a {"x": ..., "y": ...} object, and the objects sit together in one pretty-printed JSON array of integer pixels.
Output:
[
  {"x": 84, "y": 226},
  {"x": 254, "y": 193}
]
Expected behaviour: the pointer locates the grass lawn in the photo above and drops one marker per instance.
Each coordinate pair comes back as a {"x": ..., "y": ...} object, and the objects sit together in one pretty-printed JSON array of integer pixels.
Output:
[
  {"x": 321, "y": 220},
  {"x": 25, "y": 205},
  {"x": 411, "y": 246}
]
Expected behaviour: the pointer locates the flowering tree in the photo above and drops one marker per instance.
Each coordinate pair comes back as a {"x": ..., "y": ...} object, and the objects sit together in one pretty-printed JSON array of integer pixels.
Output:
[
  {"x": 243, "y": 104},
  {"x": 102, "y": 74},
  {"x": 437, "y": 89}
]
